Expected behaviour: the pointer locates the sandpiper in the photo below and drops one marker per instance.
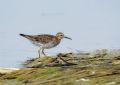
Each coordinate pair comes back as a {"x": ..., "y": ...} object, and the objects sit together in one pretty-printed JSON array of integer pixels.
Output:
[{"x": 45, "y": 41}]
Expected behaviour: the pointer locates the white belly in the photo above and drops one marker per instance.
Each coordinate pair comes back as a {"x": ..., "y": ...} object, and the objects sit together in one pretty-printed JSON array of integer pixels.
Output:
[{"x": 46, "y": 46}]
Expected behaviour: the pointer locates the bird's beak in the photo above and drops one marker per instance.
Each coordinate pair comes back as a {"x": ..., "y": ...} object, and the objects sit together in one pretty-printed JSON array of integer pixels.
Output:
[{"x": 67, "y": 37}]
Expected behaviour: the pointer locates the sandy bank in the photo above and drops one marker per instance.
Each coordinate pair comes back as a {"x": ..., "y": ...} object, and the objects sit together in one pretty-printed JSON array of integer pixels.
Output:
[{"x": 7, "y": 70}]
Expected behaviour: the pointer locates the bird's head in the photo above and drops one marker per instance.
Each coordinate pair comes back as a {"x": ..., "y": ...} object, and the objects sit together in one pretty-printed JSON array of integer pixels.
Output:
[{"x": 61, "y": 35}]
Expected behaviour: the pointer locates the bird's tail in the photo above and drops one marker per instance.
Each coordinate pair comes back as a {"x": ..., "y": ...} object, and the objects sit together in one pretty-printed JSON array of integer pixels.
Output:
[
  {"x": 22, "y": 35},
  {"x": 26, "y": 36}
]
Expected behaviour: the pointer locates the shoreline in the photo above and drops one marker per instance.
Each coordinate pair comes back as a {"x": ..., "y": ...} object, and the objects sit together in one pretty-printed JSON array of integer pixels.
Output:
[{"x": 8, "y": 70}]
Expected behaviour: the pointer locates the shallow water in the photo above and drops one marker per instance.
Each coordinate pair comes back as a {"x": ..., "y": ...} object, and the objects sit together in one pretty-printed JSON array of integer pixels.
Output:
[{"x": 14, "y": 58}]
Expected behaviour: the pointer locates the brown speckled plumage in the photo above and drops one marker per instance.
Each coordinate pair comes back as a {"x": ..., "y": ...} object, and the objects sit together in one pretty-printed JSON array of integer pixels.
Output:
[{"x": 42, "y": 38}]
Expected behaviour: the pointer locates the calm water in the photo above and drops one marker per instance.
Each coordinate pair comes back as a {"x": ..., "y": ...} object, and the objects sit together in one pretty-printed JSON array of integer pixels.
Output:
[{"x": 91, "y": 24}]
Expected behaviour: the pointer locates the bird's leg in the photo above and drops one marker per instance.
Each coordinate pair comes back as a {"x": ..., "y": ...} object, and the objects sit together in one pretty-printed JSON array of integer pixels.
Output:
[
  {"x": 39, "y": 52},
  {"x": 43, "y": 52}
]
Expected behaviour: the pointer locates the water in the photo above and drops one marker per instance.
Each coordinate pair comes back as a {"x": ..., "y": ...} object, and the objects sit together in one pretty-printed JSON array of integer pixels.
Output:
[
  {"x": 88, "y": 25},
  {"x": 13, "y": 58}
]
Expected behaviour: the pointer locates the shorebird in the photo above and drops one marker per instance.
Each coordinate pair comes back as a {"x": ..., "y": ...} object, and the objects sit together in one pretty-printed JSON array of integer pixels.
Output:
[{"x": 45, "y": 41}]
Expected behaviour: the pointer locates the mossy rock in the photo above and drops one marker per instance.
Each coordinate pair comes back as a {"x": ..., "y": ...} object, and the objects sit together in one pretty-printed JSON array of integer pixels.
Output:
[
  {"x": 54, "y": 71},
  {"x": 48, "y": 61}
]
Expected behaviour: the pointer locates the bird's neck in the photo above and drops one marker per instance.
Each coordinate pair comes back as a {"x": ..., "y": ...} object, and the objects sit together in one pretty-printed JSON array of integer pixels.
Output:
[{"x": 58, "y": 39}]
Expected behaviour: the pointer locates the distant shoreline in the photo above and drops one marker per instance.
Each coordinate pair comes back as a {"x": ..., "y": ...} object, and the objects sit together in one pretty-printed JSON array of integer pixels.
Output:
[{"x": 7, "y": 70}]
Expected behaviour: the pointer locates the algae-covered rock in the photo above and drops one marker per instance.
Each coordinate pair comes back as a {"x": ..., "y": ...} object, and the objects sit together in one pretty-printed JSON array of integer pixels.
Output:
[
  {"x": 39, "y": 62},
  {"x": 67, "y": 69},
  {"x": 48, "y": 61}
]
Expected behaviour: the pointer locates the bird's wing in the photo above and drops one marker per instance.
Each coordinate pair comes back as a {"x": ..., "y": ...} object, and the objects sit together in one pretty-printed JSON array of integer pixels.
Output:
[{"x": 43, "y": 39}]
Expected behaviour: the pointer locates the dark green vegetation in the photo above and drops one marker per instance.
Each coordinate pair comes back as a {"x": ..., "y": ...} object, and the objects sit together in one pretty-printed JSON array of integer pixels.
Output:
[{"x": 68, "y": 69}]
